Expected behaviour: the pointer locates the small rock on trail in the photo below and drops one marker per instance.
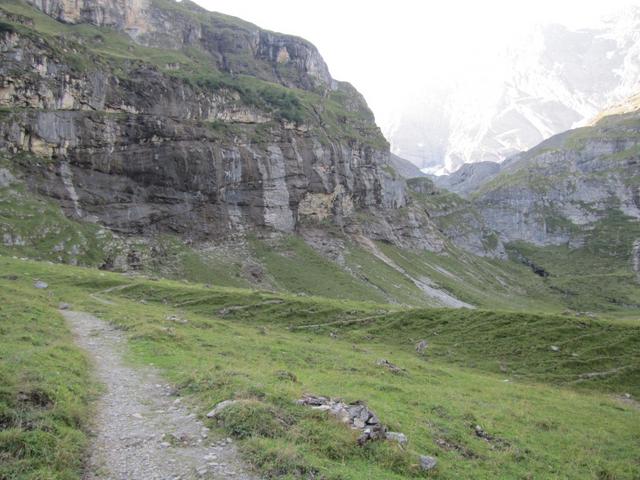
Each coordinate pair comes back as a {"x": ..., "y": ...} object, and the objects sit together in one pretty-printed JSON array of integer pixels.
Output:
[{"x": 140, "y": 431}]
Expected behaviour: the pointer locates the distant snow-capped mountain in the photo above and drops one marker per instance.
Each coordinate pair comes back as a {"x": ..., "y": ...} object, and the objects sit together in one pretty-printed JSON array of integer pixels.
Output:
[{"x": 555, "y": 79}]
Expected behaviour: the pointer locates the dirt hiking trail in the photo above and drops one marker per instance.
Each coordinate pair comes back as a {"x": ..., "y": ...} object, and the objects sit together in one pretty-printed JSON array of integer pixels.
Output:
[{"x": 141, "y": 430}]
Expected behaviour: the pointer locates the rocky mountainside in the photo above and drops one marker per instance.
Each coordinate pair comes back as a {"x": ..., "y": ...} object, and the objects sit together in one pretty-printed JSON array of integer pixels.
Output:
[
  {"x": 197, "y": 145},
  {"x": 177, "y": 119},
  {"x": 555, "y": 79},
  {"x": 164, "y": 138},
  {"x": 569, "y": 208},
  {"x": 405, "y": 168},
  {"x": 560, "y": 190}
]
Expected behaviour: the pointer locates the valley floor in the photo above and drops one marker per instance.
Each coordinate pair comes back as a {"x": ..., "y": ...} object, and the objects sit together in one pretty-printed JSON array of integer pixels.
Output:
[{"x": 495, "y": 395}]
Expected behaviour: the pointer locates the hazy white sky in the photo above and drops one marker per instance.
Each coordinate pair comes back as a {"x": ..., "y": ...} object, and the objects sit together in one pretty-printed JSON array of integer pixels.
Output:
[{"x": 391, "y": 49}]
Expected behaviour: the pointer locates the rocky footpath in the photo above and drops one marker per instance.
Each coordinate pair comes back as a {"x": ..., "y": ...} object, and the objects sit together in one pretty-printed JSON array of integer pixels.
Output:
[{"x": 141, "y": 428}]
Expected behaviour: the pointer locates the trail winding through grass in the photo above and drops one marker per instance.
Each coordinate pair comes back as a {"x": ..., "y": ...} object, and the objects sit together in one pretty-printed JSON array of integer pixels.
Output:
[{"x": 141, "y": 429}]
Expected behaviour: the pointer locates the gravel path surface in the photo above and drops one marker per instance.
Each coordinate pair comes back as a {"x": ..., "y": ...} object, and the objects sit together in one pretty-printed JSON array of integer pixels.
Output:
[{"x": 141, "y": 430}]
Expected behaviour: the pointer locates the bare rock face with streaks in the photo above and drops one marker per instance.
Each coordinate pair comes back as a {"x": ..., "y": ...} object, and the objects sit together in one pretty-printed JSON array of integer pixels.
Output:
[{"x": 144, "y": 150}]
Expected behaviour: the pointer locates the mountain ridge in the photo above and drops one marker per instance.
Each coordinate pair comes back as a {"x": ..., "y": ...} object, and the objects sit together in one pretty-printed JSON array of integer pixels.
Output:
[{"x": 555, "y": 79}]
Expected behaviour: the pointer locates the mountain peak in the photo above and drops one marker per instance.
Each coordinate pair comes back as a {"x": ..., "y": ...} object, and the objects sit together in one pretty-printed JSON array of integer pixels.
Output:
[{"x": 556, "y": 79}]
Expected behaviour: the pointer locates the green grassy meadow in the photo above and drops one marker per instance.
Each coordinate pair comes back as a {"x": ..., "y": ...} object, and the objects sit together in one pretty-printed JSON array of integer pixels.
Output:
[{"x": 546, "y": 414}]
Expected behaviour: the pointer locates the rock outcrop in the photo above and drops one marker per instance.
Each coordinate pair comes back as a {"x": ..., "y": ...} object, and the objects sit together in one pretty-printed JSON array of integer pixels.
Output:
[
  {"x": 356, "y": 415},
  {"x": 457, "y": 218},
  {"x": 405, "y": 168}
]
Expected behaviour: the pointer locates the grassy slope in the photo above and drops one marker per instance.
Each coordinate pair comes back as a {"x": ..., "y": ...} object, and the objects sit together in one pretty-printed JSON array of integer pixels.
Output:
[
  {"x": 44, "y": 387},
  {"x": 269, "y": 353},
  {"x": 597, "y": 276},
  {"x": 484, "y": 282},
  {"x": 35, "y": 227}
]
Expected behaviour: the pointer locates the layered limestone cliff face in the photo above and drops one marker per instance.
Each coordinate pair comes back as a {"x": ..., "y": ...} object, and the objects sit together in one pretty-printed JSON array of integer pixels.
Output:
[
  {"x": 559, "y": 191},
  {"x": 268, "y": 139}
]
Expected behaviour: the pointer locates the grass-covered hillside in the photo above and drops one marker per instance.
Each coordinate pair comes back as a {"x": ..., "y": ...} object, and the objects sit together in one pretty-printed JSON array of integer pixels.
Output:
[{"x": 553, "y": 396}]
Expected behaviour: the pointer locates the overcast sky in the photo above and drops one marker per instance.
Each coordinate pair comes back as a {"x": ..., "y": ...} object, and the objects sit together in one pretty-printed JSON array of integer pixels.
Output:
[{"x": 389, "y": 50}]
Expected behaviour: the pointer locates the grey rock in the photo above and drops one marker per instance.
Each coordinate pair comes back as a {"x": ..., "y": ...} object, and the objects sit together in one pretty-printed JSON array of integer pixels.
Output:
[
  {"x": 40, "y": 284},
  {"x": 6, "y": 178},
  {"x": 359, "y": 423},
  {"x": 64, "y": 306},
  {"x": 427, "y": 462},
  {"x": 400, "y": 438},
  {"x": 457, "y": 218},
  {"x": 421, "y": 346},
  {"x": 405, "y": 168},
  {"x": 390, "y": 366},
  {"x": 314, "y": 400},
  {"x": 221, "y": 407},
  {"x": 149, "y": 24},
  {"x": 356, "y": 415},
  {"x": 468, "y": 178},
  {"x": 554, "y": 193}
]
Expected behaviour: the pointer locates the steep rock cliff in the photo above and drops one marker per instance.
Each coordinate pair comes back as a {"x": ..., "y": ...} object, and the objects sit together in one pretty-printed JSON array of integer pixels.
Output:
[{"x": 162, "y": 117}]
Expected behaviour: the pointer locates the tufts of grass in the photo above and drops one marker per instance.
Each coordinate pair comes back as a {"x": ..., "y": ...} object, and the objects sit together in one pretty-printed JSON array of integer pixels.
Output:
[
  {"x": 44, "y": 388},
  {"x": 252, "y": 418}
]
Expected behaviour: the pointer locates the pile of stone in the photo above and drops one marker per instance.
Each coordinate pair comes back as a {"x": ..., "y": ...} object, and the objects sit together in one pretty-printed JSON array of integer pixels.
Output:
[
  {"x": 356, "y": 415},
  {"x": 383, "y": 362}
]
